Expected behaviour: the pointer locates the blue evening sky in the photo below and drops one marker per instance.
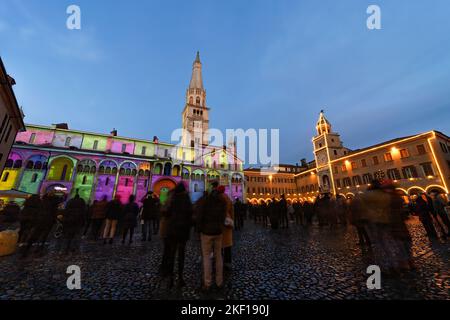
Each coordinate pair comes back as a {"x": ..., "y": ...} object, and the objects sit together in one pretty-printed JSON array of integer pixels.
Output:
[{"x": 266, "y": 64}]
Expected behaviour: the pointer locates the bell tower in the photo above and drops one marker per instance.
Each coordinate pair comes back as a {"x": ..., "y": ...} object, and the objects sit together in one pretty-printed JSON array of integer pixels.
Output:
[
  {"x": 327, "y": 147},
  {"x": 195, "y": 118}
]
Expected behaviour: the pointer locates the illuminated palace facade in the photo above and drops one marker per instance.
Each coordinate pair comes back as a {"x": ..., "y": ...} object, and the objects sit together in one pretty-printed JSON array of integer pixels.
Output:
[
  {"x": 94, "y": 165},
  {"x": 417, "y": 163}
]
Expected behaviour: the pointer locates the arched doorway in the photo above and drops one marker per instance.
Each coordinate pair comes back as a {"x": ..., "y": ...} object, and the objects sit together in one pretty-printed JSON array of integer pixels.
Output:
[{"x": 162, "y": 187}]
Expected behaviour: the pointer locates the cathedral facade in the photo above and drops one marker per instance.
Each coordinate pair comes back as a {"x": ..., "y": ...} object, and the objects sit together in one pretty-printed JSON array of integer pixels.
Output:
[{"x": 93, "y": 165}]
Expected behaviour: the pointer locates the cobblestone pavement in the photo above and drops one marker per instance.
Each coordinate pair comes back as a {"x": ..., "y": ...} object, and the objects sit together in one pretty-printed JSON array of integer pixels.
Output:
[{"x": 267, "y": 264}]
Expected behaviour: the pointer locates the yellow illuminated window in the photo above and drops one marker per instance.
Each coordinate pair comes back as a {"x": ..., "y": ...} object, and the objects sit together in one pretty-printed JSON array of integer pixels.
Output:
[
  {"x": 387, "y": 156},
  {"x": 404, "y": 153}
]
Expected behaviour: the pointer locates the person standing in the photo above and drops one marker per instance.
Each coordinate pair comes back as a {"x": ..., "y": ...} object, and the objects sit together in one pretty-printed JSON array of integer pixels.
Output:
[
  {"x": 271, "y": 212},
  {"x": 227, "y": 236},
  {"x": 28, "y": 216},
  {"x": 73, "y": 220},
  {"x": 298, "y": 213},
  {"x": 113, "y": 213},
  {"x": 150, "y": 213},
  {"x": 290, "y": 212},
  {"x": 439, "y": 211},
  {"x": 130, "y": 216},
  {"x": 98, "y": 216},
  {"x": 211, "y": 221},
  {"x": 424, "y": 209},
  {"x": 308, "y": 211},
  {"x": 283, "y": 212},
  {"x": 358, "y": 220},
  {"x": 239, "y": 214},
  {"x": 178, "y": 217}
]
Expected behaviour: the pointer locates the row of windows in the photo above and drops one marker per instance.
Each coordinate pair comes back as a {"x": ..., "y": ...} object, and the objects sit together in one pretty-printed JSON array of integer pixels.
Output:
[
  {"x": 271, "y": 190},
  {"x": 309, "y": 188},
  {"x": 404, "y": 153},
  {"x": 95, "y": 145},
  {"x": 407, "y": 172},
  {"x": 197, "y": 100},
  {"x": 197, "y": 112},
  {"x": 222, "y": 165},
  {"x": 266, "y": 179}
]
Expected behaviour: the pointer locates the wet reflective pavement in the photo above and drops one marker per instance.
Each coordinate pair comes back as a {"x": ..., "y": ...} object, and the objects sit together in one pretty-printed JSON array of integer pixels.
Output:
[{"x": 294, "y": 263}]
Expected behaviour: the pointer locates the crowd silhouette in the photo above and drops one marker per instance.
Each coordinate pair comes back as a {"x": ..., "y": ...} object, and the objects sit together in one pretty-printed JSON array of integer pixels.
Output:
[{"x": 378, "y": 216}]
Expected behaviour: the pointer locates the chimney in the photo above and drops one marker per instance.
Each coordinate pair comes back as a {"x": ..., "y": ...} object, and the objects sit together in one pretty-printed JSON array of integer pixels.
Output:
[
  {"x": 64, "y": 126},
  {"x": 303, "y": 162},
  {"x": 114, "y": 132}
]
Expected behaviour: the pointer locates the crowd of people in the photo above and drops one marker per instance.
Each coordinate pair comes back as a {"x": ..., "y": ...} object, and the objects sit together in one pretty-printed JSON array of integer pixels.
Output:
[
  {"x": 378, "y": 216},
  {"x": 212, "y": 217}
]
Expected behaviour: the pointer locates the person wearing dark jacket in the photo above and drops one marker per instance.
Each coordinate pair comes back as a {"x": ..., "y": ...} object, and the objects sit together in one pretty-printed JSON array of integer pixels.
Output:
[
  {"x": 73, "y": 220},
  {"x": 178, "y": 217},
  {"x": 283, "y": 212},
  {"x": 439, "y": 211},
  {"x": 28, "y": 216},
  {"x": 360, "y": 222},
  {"x": 211, "y": 222},
  {"x": 239, "y": 212},
  {"x": 98, "y": 216},
  {"x": 130, "y": 215},
  {"x": 424, "y": 209},
  {"x": 113, "y": 213},
  {"x": 150, "y": 213}
]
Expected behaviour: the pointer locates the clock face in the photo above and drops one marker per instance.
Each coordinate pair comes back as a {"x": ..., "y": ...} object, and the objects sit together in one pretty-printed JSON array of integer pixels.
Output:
[{"x": 322, "y": 158}]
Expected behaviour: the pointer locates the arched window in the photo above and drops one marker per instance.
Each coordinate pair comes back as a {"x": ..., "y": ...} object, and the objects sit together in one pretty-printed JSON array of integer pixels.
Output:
[
  {"x": 107, "y": 181},
  {"x": 167, "y": 169},
  {"x": 67, "y": 143},
  {"x": 191, "y": 100},
  {"x": 9, "y": 163},
  {"x": 101, "y": 169},
  {"x": 17, "y": 164},
  {"x": 84, "y": 180},
  {"x": 38, "y": 165},
  {"x": 197, "y": 100},
  {"x": 195, "y": 187},
  {"x": 5, "y": 177},
  {"x": 126, "y": 182},
  {"x": 34, "y": 178},
  {"x": 30, "y": 165}
]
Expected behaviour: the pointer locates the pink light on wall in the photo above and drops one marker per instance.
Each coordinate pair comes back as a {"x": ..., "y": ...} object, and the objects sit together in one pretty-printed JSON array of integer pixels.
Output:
[{"x": 40, "y": 137}]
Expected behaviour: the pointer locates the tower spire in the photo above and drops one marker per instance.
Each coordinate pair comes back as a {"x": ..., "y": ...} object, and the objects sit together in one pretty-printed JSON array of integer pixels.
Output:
[{"x": 196, "y": 78}]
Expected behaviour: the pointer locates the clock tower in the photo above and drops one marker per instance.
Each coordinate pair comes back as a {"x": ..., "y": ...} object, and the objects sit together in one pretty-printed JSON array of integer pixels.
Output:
[
  {"x": 327, "y": 146},
  {"x": 195, "y": 118}
]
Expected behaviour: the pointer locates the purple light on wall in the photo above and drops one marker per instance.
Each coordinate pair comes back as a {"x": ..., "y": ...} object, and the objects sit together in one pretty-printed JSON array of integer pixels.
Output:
[
  {"x": 125, "y": 188},
  {"x": 105, "y": 186}
]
